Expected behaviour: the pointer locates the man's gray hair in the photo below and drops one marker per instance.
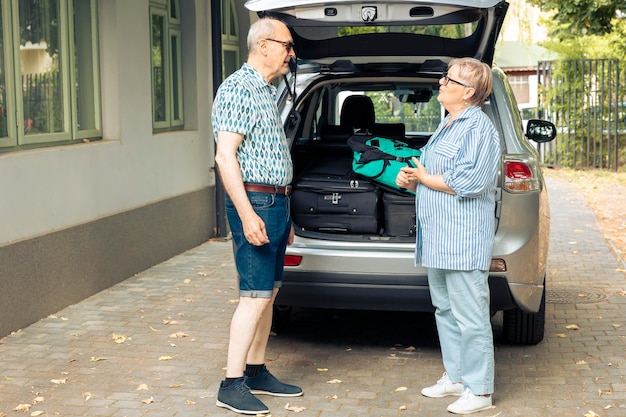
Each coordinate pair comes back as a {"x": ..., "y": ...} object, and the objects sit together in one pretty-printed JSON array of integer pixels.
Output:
[{"x": 261, "y": 29}]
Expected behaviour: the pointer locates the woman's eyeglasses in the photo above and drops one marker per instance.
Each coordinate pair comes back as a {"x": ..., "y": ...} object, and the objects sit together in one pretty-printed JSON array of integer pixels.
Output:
[
  {"x": 288, "y": 45},
  {"x": 447, "y": 79}
]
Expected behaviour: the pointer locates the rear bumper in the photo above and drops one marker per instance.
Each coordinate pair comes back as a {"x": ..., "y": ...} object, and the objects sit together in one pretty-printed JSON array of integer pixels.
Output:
[{"x": 399, "y": 293}]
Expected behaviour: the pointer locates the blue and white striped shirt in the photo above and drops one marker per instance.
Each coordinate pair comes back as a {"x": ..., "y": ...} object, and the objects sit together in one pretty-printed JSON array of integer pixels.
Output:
[{"x": 457, "y": 231}]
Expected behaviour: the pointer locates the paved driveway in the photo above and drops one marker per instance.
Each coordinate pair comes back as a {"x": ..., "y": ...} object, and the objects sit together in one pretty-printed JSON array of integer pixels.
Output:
[{"x": 155, "y": 345}]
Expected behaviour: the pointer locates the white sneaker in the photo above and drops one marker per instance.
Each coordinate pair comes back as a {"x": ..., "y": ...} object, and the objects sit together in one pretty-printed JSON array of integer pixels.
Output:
[
  {"x": 470, "y": 403},
  {"x": 443, "y": 388}
]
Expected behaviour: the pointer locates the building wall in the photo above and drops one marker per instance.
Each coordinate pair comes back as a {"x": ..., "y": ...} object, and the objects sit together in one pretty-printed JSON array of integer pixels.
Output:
[{"x": 77, "y": 219}]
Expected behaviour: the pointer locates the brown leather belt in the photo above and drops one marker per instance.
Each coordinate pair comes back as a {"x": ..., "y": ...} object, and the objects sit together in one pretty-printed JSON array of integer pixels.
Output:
[{"x": 270, "y": 189}]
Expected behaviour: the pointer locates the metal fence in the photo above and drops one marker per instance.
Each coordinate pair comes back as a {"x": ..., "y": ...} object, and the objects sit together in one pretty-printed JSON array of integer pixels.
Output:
[{"x": 584, "y": 99}]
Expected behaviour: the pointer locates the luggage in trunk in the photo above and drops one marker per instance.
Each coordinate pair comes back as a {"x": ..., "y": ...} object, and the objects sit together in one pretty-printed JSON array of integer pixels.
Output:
[
  {"x": 399, "y": 214},
  {"x": 335, "y": 204}
]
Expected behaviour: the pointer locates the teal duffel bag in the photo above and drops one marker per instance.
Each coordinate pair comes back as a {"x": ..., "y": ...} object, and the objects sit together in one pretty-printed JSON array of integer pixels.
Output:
[{"x": 381, "y": 159}]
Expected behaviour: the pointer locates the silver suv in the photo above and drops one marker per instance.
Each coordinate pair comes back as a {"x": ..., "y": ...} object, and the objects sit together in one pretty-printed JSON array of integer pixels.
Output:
[{"x": 374, "y": 68}]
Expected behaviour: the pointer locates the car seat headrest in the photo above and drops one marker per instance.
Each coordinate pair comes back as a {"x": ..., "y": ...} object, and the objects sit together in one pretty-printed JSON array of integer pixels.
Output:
[{"x": 357, "y": 112}]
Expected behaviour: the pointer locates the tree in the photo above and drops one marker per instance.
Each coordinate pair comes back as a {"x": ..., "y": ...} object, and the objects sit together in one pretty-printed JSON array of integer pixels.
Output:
[{"x": 585, "y": 17}]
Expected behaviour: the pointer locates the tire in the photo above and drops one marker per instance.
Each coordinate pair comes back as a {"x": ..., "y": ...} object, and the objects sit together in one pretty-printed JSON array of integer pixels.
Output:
[
  {"x": 280, "y": 318},
  {"x": 521, "y": 328}
]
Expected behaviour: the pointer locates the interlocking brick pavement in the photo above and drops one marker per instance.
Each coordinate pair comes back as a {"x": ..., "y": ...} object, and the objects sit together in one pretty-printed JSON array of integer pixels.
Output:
[{"x": 155, "y": 345}]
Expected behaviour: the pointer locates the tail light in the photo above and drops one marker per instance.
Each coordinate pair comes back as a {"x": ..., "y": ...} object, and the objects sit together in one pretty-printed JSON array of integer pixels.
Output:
[
  {"x": 292, "y": 260},
  {"x": 520, "y": 175}
]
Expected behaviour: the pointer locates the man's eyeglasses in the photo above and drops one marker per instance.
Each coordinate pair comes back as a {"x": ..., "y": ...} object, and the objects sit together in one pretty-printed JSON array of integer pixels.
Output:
[
  {"x": 288, "y": 45},
  {"x": 447, "y": 79}
]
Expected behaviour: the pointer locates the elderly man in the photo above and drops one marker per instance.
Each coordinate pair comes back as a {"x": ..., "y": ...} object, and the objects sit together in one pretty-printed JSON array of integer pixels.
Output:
[{"x": 255, "y": 166}]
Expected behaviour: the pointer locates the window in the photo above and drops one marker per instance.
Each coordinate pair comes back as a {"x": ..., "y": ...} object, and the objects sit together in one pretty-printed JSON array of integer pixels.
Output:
[
  {"x": 230, "y": 38},
  {"x": 521, "y": 88},
  {"x": 49, "y": 85},
  {"x": 167, "y": 81}
]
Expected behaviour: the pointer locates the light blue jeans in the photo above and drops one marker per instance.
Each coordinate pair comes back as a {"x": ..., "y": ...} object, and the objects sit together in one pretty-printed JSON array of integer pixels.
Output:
[{"x": 461, "y": 300}]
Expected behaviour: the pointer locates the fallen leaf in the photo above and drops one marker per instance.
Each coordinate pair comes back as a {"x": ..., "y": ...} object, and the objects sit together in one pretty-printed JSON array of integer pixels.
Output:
[
  {"x": 400, "y": 389},
  {"x": 334, "y": 381},
  {"x": 94, "y": 359},
  {"x": 22, "y": 407},
  {"x": 322, "y": 369},
  {"x": 189, "y": 402},
  {"x": 175, "y": 385},
  {"x": 233, "y": 301},
  {"x": 590, "y": 413},
  {"x": 294, "y": 408},
  {"x": 581, "y": 362},
  {"x": 119, "y": 338},
  {"x": 187, "y": 281},
  {"x": 616, "y": 325},
  {"x": 38, "y": 400},
  {"x": 153, "y": 329},
  {"x": 87, "y": 396},
  {"x": 410, "y": 349},
  {"x": 572, "y": 327},
  {"x": 36, "y": 413},
  {"x": 178, "y": 335},
  {"x": 402, "y": 408},
  {"x": 165, "y": 358},
  {"x": 59, "y": 381},
  {"x": 203, "y": 274},
  {"x": 142, "y": 387},
  {"x": 148, "y": 400},
  {"x": 168, "y": 321},
  {"x": 334, "y": 397},
  {"x": 561, "y": 335}
]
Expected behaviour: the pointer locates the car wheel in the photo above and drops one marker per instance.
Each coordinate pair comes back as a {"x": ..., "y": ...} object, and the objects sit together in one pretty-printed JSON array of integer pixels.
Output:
[
  {"x": 280, "y": 318},
  {"x": 521, "y": 328}
]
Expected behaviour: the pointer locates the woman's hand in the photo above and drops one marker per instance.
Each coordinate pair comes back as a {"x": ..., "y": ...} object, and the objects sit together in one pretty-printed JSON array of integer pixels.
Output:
[
  {"x": 405, "y": 180},
  {"x": 419, "y": 175}
]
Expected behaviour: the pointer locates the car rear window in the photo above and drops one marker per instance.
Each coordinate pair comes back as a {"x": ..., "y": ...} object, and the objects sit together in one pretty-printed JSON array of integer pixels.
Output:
[{"x": 450, "y": 31}]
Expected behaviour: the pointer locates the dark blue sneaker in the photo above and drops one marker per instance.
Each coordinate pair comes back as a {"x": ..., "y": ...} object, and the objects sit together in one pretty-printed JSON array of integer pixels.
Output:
[
  {"x": 238, "y": 398},
  {"x": 266, "y": 383}
]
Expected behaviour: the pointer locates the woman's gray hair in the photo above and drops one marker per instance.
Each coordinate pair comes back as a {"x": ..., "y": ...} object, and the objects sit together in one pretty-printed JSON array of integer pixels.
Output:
[
  {"x": 263, "y": 28},
  {"x": 476, "y": 74}
]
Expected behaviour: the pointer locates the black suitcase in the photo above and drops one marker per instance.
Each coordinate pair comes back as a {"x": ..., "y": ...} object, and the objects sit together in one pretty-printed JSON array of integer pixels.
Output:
[
  {"x": 399, "y": 214},
  {"x": 335, "y": 204}
]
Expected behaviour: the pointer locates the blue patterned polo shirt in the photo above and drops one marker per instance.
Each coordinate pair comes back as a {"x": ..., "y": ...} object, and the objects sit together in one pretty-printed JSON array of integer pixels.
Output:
[{"x": 245, "y": 103}]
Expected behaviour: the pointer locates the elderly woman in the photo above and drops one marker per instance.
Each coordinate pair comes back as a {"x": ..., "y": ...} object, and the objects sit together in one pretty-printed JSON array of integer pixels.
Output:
[{"x": 455, "y": 186}]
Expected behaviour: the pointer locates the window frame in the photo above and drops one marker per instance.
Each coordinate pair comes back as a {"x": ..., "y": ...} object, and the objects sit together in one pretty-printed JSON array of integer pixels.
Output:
[
  {"x": 17, "y": 138},
  {"x": 230, "y": 36},
  {"x": 172, "y": 66}
]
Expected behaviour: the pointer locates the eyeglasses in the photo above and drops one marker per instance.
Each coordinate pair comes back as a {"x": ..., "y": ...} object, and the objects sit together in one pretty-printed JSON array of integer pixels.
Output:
[
  {"x": 288, "y": 45},
  {"x": 447, "y": 79}
]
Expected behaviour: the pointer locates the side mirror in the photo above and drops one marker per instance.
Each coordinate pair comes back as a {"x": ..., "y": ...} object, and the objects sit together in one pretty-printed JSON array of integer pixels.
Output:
[{"x": 541, "y": 131}]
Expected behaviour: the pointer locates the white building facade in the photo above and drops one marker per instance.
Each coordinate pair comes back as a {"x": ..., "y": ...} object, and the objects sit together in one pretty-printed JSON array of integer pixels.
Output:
[{"x": 106, "y": 149}]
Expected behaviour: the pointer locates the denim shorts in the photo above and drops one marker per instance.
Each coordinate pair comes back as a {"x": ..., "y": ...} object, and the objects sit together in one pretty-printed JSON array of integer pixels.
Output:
[{"x": 260, "y": 268}]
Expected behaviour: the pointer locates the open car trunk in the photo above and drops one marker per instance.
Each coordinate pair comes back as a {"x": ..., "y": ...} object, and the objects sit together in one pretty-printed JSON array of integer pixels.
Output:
[{"x": 333, "y": 199}]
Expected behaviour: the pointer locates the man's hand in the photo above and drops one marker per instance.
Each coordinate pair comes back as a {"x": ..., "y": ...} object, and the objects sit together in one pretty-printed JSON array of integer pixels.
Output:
[{"x": 254, "y": 230}]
